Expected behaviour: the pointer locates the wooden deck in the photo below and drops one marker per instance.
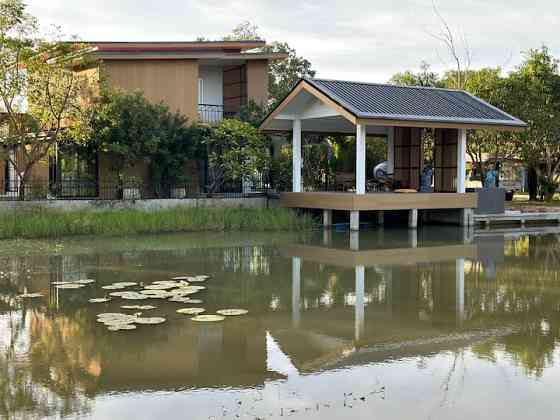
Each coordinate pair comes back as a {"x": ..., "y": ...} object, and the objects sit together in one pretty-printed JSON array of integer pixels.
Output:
[
  {"x": 515, "y": 217},
  {"x": 378, "y": 201}
]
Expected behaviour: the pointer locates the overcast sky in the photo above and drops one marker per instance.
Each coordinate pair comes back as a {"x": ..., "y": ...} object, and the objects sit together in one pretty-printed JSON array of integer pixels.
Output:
[{"x": 365, "y": 40}]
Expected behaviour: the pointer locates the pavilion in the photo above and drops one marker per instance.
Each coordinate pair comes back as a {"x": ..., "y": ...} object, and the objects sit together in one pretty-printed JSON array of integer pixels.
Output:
[{"x": 398, "y": 113}]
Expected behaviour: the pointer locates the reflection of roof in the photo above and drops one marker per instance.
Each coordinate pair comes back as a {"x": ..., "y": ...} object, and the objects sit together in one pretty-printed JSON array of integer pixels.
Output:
[{"x": 382, "y": 101}]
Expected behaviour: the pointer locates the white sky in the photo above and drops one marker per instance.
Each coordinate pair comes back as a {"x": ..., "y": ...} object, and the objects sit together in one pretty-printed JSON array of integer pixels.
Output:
[{"x": 365, "y": 40}]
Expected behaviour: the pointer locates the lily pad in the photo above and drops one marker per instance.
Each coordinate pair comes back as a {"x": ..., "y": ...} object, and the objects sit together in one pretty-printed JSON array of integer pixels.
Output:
[
  {"x": 31, "y": 295},
  {"x": 232, "y": 312},
  {"x": 160, "y": 286},
  {"x": 199, "y": 279},
  {"x": 86, "y": 281},
  {"x": 112, "y": 287},
  {"x": 191, "y": 311},
  {"x": 59, "y": 283},
  {"x": 208, "y": 318},
  {"x": 121, "y": 327},
  {"x": 139, "y": 307},
  {"x": 133, "y": 296},
  {"x": 183, "y": 299},
  {"x": 99, "y": 300},
  {"x": 70, "y": 286},
  {"x": 180, "y": 278},
  {"x": 149, "y": 320},
  {"x": 125, "y": 283}
]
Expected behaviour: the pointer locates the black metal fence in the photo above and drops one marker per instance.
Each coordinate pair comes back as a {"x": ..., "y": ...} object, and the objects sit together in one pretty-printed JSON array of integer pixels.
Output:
[
  {"x": 213, "y": 114},
  {"x": 79, "y": 189}
]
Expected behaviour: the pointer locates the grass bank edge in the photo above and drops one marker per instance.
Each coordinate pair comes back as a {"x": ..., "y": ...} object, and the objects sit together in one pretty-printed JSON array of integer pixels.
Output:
[{"x": 42, "y": 223}]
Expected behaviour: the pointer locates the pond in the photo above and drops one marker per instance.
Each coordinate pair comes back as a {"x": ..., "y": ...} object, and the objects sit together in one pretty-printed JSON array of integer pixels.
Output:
[{"x": 441, "y": 323}]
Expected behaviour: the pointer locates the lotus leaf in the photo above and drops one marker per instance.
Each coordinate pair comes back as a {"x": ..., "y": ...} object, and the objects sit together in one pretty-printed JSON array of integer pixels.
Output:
[{"x": 232, "y": 312}]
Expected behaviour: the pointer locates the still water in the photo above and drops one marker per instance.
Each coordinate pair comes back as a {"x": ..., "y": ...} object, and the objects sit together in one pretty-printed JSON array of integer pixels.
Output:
[{"x": 389, "y": 324}]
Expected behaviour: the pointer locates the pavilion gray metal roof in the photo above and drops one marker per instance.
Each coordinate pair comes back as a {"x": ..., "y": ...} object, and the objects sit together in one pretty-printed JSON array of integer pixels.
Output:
[{"x": 392, "y": 102}]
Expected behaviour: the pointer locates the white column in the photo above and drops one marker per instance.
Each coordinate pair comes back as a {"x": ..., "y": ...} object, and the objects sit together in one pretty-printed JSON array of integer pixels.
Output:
[
  {"x": 359, "y": 312},
  {"x": 296, "y": 291},
  {"x": 461, "y": 156},
  {"x": 460, "y": 289},
  {"x": 413, "y": 218},
  {"x": 354, "y": 240},
  {"x": 327, "y": 218},
  {"x": 296, "y": 155},
  {"x": 391, "y": 150},
  {"x": 360, "y": 159},
  {"x": 354, "y": 220}
]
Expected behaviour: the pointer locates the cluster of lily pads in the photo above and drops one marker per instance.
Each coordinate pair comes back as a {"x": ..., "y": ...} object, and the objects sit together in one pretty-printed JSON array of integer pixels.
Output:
[{"x": 177, "y": 289}]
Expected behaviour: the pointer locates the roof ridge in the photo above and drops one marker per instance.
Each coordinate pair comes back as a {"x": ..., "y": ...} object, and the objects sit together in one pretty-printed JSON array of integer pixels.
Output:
[{"x": 386, "y": 84}]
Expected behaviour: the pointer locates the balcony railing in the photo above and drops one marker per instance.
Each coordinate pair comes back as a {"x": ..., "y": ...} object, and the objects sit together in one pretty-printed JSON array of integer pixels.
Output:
[{"x": 213, "y": 114}]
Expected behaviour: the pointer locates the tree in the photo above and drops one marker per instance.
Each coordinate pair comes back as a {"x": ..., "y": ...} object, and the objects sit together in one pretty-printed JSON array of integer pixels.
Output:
[
  {"x": 42, "y": 91},
  {"x": 245, "y": 31},
  {"x": 489, "y": 85},
  {"x": 534, "y": 96},
  {"x": 284, "y": 74},
  {"x": 237, "y": 151},
  {"x": 133, "y": 129},
  {"x": 424, "y": 77}
]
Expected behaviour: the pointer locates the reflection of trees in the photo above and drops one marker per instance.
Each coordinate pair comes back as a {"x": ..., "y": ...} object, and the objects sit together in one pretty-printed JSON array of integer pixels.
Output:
[
  {"x": 524, "y": 294},
  {"x": 37, "y": 373}
]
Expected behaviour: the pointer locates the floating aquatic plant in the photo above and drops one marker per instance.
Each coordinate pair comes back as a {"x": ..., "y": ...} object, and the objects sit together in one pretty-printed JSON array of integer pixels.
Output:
[
  {"x": 149, "y": 320},
  {"x": 191, "y": 311},
  {"x": 139, "y": 307},
  {"x": 232, "y": 312},
  {"x": 208, "y": 318},
  {"x": 70, "y": 286},
  {"x": 99, "y": 300}
]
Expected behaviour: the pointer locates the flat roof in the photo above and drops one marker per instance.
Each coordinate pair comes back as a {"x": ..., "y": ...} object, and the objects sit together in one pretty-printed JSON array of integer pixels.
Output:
[{"x": 385, "y": 104}]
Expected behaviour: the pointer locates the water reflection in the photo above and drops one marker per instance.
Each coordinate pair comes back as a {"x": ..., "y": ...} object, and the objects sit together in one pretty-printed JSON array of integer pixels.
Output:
[{"x": 320, "y": 305}]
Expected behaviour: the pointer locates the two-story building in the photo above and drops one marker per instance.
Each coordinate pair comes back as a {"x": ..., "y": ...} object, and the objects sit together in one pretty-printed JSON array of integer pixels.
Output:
[{"x": 204, "y": 80}]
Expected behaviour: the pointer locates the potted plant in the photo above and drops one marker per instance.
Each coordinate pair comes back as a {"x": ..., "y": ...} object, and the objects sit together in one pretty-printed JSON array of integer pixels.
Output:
[
  {"x": 131, "y": 188},
  {"x": 179, "y": 189}
]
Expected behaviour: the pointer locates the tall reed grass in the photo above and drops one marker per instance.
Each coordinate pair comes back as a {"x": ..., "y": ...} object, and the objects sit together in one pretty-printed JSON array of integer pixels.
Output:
[{"x": 41, "y": 223}]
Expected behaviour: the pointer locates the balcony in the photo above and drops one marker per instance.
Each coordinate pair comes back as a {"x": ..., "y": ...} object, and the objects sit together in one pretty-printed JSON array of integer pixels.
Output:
[{"x": 213, "y": 114}]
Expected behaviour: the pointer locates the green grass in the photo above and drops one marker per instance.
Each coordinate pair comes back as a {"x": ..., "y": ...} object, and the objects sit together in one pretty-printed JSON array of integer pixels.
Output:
[{"x": 40, "y": 223}]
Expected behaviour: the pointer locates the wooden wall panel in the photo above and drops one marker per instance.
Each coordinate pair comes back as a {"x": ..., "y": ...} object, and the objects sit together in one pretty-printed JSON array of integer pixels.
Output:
[
  {"x": 408, "y": 157},
  {"x": 235, "y": 89},
  {"x": 445, "y": 159},
  {"x": 257, "y": 81},
  {"x": 174, "y": 82}
]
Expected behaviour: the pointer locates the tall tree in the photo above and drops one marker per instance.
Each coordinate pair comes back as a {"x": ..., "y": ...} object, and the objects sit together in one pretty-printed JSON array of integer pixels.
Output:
[
  {"x": 534, "y": 96},
  {"x": 425, "y": 77},
  {"x": 41, "y": 93}
]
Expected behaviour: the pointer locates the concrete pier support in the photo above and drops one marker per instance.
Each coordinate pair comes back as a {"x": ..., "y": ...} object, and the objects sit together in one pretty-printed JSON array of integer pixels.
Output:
[
  {"x": 327, "y": 218},
  {"x": 413, "y": 238},
  {"x": 413, "y": 218},
  {"x": 466, "y": 217},
  {"x": 355, "y": 220},
  {"x": 380, "y": 217}
]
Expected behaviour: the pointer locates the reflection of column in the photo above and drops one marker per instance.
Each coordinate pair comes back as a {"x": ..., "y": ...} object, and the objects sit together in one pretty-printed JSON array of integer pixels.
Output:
[
  {"x": 359, "y": 303},
  {"x": 296, "y": 290},
  {"x": 388, "y": 277},
  {"x": 460, "y": 289},
  {"x": 413, "y": 238},
  {"x": 327, "y": 237},
  {"x": 354, "y": 240}
]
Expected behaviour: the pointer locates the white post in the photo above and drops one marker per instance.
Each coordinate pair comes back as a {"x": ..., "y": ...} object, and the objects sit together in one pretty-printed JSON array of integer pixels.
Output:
[
  {"x": 354, "y": 240},
  {"x": 391, "y": 150},
  {"x": 296, "y": 291},
  {"x": 359, "y": 312},
  {"x": 354, "y": 220},
  {"x": 360, "y": 159},
  {"x": 460, "y": 289},
  {"x": 461, "y": 155},
  {"x": 296, "y": 155}
]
